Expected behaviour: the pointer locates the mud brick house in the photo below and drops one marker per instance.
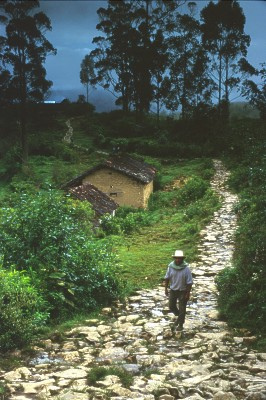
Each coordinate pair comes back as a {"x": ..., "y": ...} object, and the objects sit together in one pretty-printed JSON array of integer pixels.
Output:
[
  {"x": 125, "y": 180},
  {"x": 101, "y": 203}
]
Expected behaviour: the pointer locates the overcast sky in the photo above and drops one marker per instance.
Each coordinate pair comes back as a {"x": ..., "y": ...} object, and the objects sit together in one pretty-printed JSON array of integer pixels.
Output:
[{"x": 74, "y": 26}]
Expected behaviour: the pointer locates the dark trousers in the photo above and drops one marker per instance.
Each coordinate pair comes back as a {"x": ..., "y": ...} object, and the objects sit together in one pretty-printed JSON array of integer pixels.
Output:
[{"x": 182, "y": 304}]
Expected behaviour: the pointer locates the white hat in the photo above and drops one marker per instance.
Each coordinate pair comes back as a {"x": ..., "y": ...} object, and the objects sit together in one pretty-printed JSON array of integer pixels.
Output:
[{"x": 178, "y": 253}]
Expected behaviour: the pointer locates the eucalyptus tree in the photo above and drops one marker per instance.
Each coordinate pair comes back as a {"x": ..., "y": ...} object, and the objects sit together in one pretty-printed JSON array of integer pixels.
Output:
[
  {"x": 5, "y": 77},
  {"x": 224, "y": 38},
  {"x": 255, "y": 92},
  {"x": 24, "y": 52},
  {"x": 160, "y": 65},
  {"x": 187, "y": 67},
  {"x": 87, "y": 73},
  {"x": 128, "y": 60},
  {"x": 112, "y": 54}
]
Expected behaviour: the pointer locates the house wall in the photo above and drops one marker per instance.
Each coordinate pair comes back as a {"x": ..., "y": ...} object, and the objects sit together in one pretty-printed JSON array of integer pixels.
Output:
[{"x": 120, "y": 187}]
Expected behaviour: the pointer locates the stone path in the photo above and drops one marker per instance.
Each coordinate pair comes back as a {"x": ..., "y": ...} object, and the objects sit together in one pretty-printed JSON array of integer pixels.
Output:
[
  {"x": 68, "y": 136},
  {"x": 205, "y": 361}
]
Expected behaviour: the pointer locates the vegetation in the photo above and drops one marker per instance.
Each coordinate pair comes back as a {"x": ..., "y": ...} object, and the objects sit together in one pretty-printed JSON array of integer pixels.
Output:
[
  {"x": 22, "y": 309},
  {"x": 54, "y": 262},
  {"x": 47, "y": 247},
  {"x": 24, "y": 51},
  {"x": 160, "y": 54},
  {"x": 99, "y": 373},
  {"x": 242, "y": 288}
]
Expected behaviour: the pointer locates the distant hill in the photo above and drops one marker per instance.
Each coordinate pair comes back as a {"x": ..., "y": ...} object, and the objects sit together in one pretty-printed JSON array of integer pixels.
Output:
[
  {"x": 105, "y": 102},
  {"x": 242, "y": 109},
  {"x": 101, "y": 99}
]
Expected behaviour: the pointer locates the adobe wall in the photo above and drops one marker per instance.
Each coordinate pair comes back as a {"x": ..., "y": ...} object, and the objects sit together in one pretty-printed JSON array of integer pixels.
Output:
[
  {"x": 121, "y": 188},
  {"x": 148, "y": 189}
]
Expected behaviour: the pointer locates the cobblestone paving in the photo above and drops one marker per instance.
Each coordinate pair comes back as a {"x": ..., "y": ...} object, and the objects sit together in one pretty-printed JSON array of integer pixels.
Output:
[{"x": 205, "y": 361}]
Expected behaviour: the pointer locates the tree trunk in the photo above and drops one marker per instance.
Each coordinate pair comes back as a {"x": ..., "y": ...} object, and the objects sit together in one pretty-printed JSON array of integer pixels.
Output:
[
  {"x": 23, "y": 113},
  {"x": 226, "y": 80},
  {"x": 220, "y": 80}
]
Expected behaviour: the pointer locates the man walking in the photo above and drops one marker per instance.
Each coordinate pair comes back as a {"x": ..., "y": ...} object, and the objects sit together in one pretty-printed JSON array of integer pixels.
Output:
[{"x": 179, "y": 276}]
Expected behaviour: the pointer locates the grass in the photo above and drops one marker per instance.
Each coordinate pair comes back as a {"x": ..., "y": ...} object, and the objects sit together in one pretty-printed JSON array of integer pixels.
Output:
[
  {"x": 145, "y": 254},
  {"x": 4, "y": 392},
  {"x": 99, "y": 373}
]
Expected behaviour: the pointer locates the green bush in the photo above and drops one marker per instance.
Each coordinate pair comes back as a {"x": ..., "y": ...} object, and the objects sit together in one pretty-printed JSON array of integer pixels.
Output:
[
  {"x": 22, "y": 310},
  {"x": 200, "y": 208},
  {"x": 50, "y": 236},
  {"x": 126, "y": 221},
  {"x": 242, "y": 288},
  {"x": 194, "y": 189}
]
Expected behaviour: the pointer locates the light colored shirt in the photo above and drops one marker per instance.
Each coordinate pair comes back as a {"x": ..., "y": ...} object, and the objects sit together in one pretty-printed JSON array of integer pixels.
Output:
[{"x": 179, "y": 278}]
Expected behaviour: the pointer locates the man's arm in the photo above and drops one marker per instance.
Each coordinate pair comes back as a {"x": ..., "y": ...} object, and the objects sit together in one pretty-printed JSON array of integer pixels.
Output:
[
  {"x": 166, "y": 283},
  {"x": 188, "y": 289}
]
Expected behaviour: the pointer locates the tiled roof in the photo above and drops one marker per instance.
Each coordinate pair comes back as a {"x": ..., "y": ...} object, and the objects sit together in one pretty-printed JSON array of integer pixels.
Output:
[
  {"x": 133, "y": 168},
  {"x": 101, "y": 203}
]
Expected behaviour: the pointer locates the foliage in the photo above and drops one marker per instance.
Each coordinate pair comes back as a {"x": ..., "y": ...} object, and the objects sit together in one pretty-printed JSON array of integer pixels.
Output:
[
  {"x": 256, "y": 92},
  {"x": 194, "y": 189},
  {"x": 24, "y": 51},
  {"x": 242, "y": 287},
  {"x": 87, "y": 73},
  {"x": 125, "y": 221},
  {"x": 188, "y": 81},
  {"x": 4, "y": 391},
  {"x": 22, "y": 309},
  {"x": 224, "y": 38},
  {"x": 50, "y": 236},
  {"x": 144, "y": 253},
  {"x": 130, "y": 59},
  {"x": 98, "y": 373}
]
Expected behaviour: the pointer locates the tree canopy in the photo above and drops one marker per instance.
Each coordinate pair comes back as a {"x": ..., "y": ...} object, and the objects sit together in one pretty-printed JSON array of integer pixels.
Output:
[{"x": 24, "y": 50}]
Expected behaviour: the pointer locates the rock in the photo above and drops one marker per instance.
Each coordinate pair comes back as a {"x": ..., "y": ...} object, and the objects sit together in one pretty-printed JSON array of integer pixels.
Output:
[
  {"x": 35, "y": 387},
  {"x": 71, "y": 356},
  {"x": 132, "y": 368},
  {"x": 73, "y": 396},
  {"x": 107, "y": 311},
  {"x": 71, "y": 373},
  {"x": 224, "y": 396},
  {"x": 12, "y": 375},
  {"x": 113, "y": 354}
]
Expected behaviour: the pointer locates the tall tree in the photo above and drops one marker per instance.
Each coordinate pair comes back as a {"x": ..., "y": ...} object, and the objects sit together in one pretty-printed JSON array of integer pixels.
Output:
[
  {"x": 224, "y": 38},
  {"x": 159, "y": 71},
  {"x": 127, "y": 60},
  {"x": 4, "y": 85},
  {"x": 87, "y": 73},
  {"x": 255, "y": 92},
  {"x": 112, "y": 54},
  {"x": 24, "y": 51},
  {"x": 187, "y": 67}
]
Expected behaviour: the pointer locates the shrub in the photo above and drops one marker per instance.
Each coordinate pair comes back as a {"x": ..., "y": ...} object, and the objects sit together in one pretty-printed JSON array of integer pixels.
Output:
[
  {"x": 194, "y": 189},
  {"x": 242, "y": 287},
  {"x": 22, "y": 310},
  {"x": 50, "y": 236},
  {"x": 126, "y": 221}
]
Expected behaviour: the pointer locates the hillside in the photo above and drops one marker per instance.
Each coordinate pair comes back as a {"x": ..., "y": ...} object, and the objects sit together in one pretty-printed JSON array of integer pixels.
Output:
[{"x": 136, "y": 243}]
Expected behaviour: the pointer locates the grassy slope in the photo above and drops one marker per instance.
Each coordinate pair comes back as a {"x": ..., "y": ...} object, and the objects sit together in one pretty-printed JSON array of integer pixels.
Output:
[{"x": 145, "y": 254}]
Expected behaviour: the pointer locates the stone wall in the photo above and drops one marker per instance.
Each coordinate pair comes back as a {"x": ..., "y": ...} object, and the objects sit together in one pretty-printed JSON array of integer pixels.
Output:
[{"x": 120, "y": 187}]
